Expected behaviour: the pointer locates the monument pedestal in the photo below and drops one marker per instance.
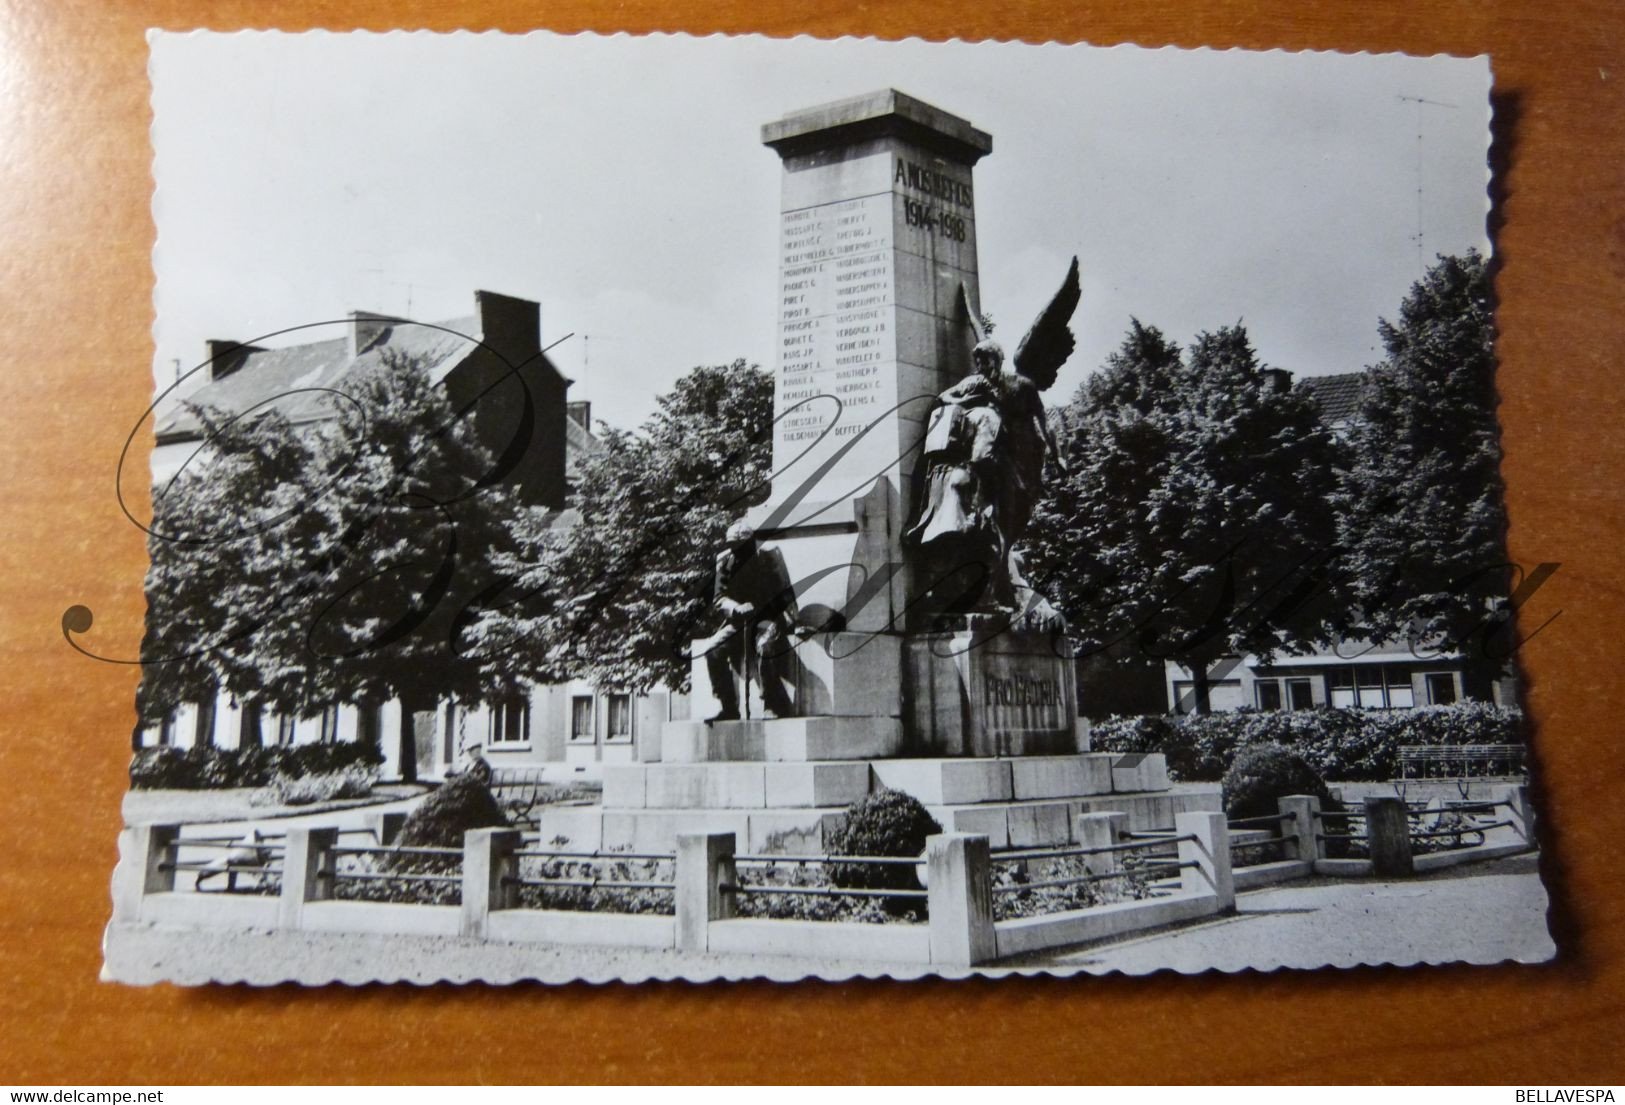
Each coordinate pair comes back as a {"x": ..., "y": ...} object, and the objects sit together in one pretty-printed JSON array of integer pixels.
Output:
[{"x": 792, "y": 805}]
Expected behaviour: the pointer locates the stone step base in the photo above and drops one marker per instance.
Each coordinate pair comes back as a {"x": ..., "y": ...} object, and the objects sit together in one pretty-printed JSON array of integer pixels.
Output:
[
  {"x": 779, "y": 740},
  {"x": 751, "y": 785},
  {"x": 1035, "y": 823}
]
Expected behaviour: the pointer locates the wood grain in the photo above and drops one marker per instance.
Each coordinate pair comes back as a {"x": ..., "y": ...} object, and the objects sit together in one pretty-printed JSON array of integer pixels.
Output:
[{"x": 75, "y": 269}]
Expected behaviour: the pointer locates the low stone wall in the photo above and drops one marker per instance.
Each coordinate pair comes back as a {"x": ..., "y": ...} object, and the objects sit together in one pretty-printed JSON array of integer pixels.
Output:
[{"x": 957, "y": 871}]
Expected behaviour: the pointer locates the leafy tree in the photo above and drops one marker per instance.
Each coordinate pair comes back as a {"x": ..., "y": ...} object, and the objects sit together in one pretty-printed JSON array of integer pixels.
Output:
[
  {"x": 401, "y": 549},
  {"x": 344, "y": 562},
  {"x": 209, "y": 587},
  {"x": 1420, "y": 507},
  {"x": 621, "y": 586},
  {"x": 1195, "y": 521}
]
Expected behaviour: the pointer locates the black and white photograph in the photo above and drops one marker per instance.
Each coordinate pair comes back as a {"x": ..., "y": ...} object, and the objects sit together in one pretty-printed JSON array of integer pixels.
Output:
[{"x": 661, "y": 507}]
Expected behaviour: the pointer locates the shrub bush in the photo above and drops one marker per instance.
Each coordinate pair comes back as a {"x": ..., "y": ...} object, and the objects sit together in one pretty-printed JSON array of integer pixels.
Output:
[
  {"x": 205, "y": 767},
  {"x": 1264, "y": 773},
  {"x": 1348, "y": 745},
  {"x": 885, "y": 823},
  {"x": 354, "y": 781},
  {"x": 462, "y": 803}
]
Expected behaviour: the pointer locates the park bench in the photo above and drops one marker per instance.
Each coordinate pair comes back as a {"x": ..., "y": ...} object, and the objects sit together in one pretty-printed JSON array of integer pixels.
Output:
[
  {"x": 520, "y": 790},
  {"x": 1461, "y": 761}
]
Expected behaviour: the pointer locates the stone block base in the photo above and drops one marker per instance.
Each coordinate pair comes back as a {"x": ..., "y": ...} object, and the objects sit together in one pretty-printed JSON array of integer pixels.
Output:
[
  {"x": 791, "y": 739},
  {"x": 806, "y": 830},
  {"x": 991, "y": 691},
  {"x": 794, "y": 784}
]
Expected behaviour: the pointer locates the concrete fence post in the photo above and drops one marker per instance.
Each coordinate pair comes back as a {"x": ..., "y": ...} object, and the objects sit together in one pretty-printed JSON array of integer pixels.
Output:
[
  {"x": 147, "y": 867},
  {"x": 705, "y": 869},
  {"x": 1209, "y": 852},
  {"x": 1301, "y": 830},
  {"x": 386, "y": 827},
  {"x": 960, "y": 899},
  {"x": 489, "y": 866},
  {"x": 1100, "y": 830},
  {"x": 1388, "y": 836},
  {"x": 306, "y": 874},
  {"x": 1517, "y": 810}
]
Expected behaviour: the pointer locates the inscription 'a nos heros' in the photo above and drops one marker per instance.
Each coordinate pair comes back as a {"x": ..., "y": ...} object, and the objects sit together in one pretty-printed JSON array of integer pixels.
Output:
[{"x": 932, "y": 183}]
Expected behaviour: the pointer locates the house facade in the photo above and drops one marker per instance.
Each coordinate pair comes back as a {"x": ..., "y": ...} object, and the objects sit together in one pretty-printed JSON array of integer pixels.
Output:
[
  {"x": 566, "y": 730},
  {"x": 1354, "y": 675}
]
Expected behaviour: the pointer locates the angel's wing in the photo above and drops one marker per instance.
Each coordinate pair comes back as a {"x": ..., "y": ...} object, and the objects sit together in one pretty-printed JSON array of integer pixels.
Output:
[
  {"x": 976, "y": 328},
  {"x": 1049, "y": 342}
]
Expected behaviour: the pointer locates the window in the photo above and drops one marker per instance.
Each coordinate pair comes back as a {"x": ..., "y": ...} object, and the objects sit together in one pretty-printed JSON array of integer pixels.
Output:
[
  {"x": 1401, "y": 696},
  {"x": 285, "y": 728},
  {"x": 367, "y": 726},
  {"x": 248, "y": 736},
  {"x": 1298, "y": 695},
  {"x": 330, "y": 725},
  {"x": 581, "y": 717},
  {"x": 620, "y": 717},
  {"x": 166, "y": 729},
  {"x": 449, "y": 741},
  {"x": 1441, "y": 686},
  {"x": 1369, "y": 680},
  {"x": 510, "y": 722},
  {"x": 203, "y": 734},
  {"x": 1372, "y": 687},
  {"x": 1340, "y": 683}
]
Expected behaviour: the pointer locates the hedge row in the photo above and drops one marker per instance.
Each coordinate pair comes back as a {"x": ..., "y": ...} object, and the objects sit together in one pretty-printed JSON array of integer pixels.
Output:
[
  {"x": 1346, "y": 745},
  {"x": 206, "y": 767}
]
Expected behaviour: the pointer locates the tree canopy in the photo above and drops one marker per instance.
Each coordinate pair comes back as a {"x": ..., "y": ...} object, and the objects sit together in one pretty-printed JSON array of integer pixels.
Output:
[
  {"x": 1195, "y": 521},
  {"x": 619, "y": 587},
  {"x": 299, "y": 567},
  {"x": 1420, "y": 508}
]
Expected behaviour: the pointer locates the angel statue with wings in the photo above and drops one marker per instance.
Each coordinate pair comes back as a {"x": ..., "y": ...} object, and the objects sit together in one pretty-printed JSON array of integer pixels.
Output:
[{"x": 985, "y": 446}]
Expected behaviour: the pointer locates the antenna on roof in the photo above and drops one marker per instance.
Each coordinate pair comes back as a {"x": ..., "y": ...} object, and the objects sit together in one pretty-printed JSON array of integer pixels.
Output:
[
  {"x": 586, "y": 355},
  {"x": 1421, "y": 261}
]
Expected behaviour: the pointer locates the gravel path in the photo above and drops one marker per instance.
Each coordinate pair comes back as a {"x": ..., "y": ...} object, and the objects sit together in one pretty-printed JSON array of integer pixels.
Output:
[{"x": 1482, "y": 913}]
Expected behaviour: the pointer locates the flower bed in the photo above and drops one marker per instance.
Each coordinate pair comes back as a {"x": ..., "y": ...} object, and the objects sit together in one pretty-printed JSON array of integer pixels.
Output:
[
  {"x": 635, "y": 898},
  {"x": 821, "y": 907},
  {"x": 401, "y": 877},
  {"x": 1132, "y": 884}
]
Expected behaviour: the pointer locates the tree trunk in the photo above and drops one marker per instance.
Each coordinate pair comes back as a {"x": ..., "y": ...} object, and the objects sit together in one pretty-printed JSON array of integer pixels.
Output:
[
  {"x": 408, "y": 746},
  {"x": 1199, "y": 688}
]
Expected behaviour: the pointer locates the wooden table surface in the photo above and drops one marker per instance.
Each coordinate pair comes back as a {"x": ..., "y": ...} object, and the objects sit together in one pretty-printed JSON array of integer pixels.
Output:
[{"x": 77, "y": 300}]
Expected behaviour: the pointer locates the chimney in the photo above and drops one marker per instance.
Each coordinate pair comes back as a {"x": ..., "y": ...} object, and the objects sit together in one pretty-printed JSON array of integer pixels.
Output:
[
  {"x": 508, "y": 324},
  {"x": 580, "y": 412},
  {"x": 1277, "y": 381},
  {"x": 366, "y": 327},
  {"x": 225, "y": 357}
]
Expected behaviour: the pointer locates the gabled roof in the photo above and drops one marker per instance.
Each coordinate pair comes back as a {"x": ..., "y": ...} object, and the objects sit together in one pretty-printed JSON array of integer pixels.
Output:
[
  {"x": 291, "y": 379},
  {"x": 1338, "y": 396}
]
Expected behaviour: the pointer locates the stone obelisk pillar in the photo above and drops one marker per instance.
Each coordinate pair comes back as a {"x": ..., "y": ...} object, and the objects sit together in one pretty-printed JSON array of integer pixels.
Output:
[{"x": 877, "y": 234}]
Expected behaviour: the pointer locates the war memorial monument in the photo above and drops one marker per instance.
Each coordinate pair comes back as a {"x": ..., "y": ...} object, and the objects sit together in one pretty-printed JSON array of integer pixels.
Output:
[{"x": 876, "y": 630}]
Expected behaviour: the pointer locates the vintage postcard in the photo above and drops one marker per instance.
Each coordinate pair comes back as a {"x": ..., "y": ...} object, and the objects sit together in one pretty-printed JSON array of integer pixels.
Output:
[{"x": 628, "y": 508}]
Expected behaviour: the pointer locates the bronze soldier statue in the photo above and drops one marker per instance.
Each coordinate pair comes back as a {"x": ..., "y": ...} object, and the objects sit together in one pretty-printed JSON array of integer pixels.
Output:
[
  {"x": 752, "y": 598},
  {"x": 985, "y": 447}
]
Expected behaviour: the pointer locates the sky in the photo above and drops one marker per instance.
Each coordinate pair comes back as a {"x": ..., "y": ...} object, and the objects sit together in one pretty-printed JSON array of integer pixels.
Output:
[{"x": 621, "y": 182}]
